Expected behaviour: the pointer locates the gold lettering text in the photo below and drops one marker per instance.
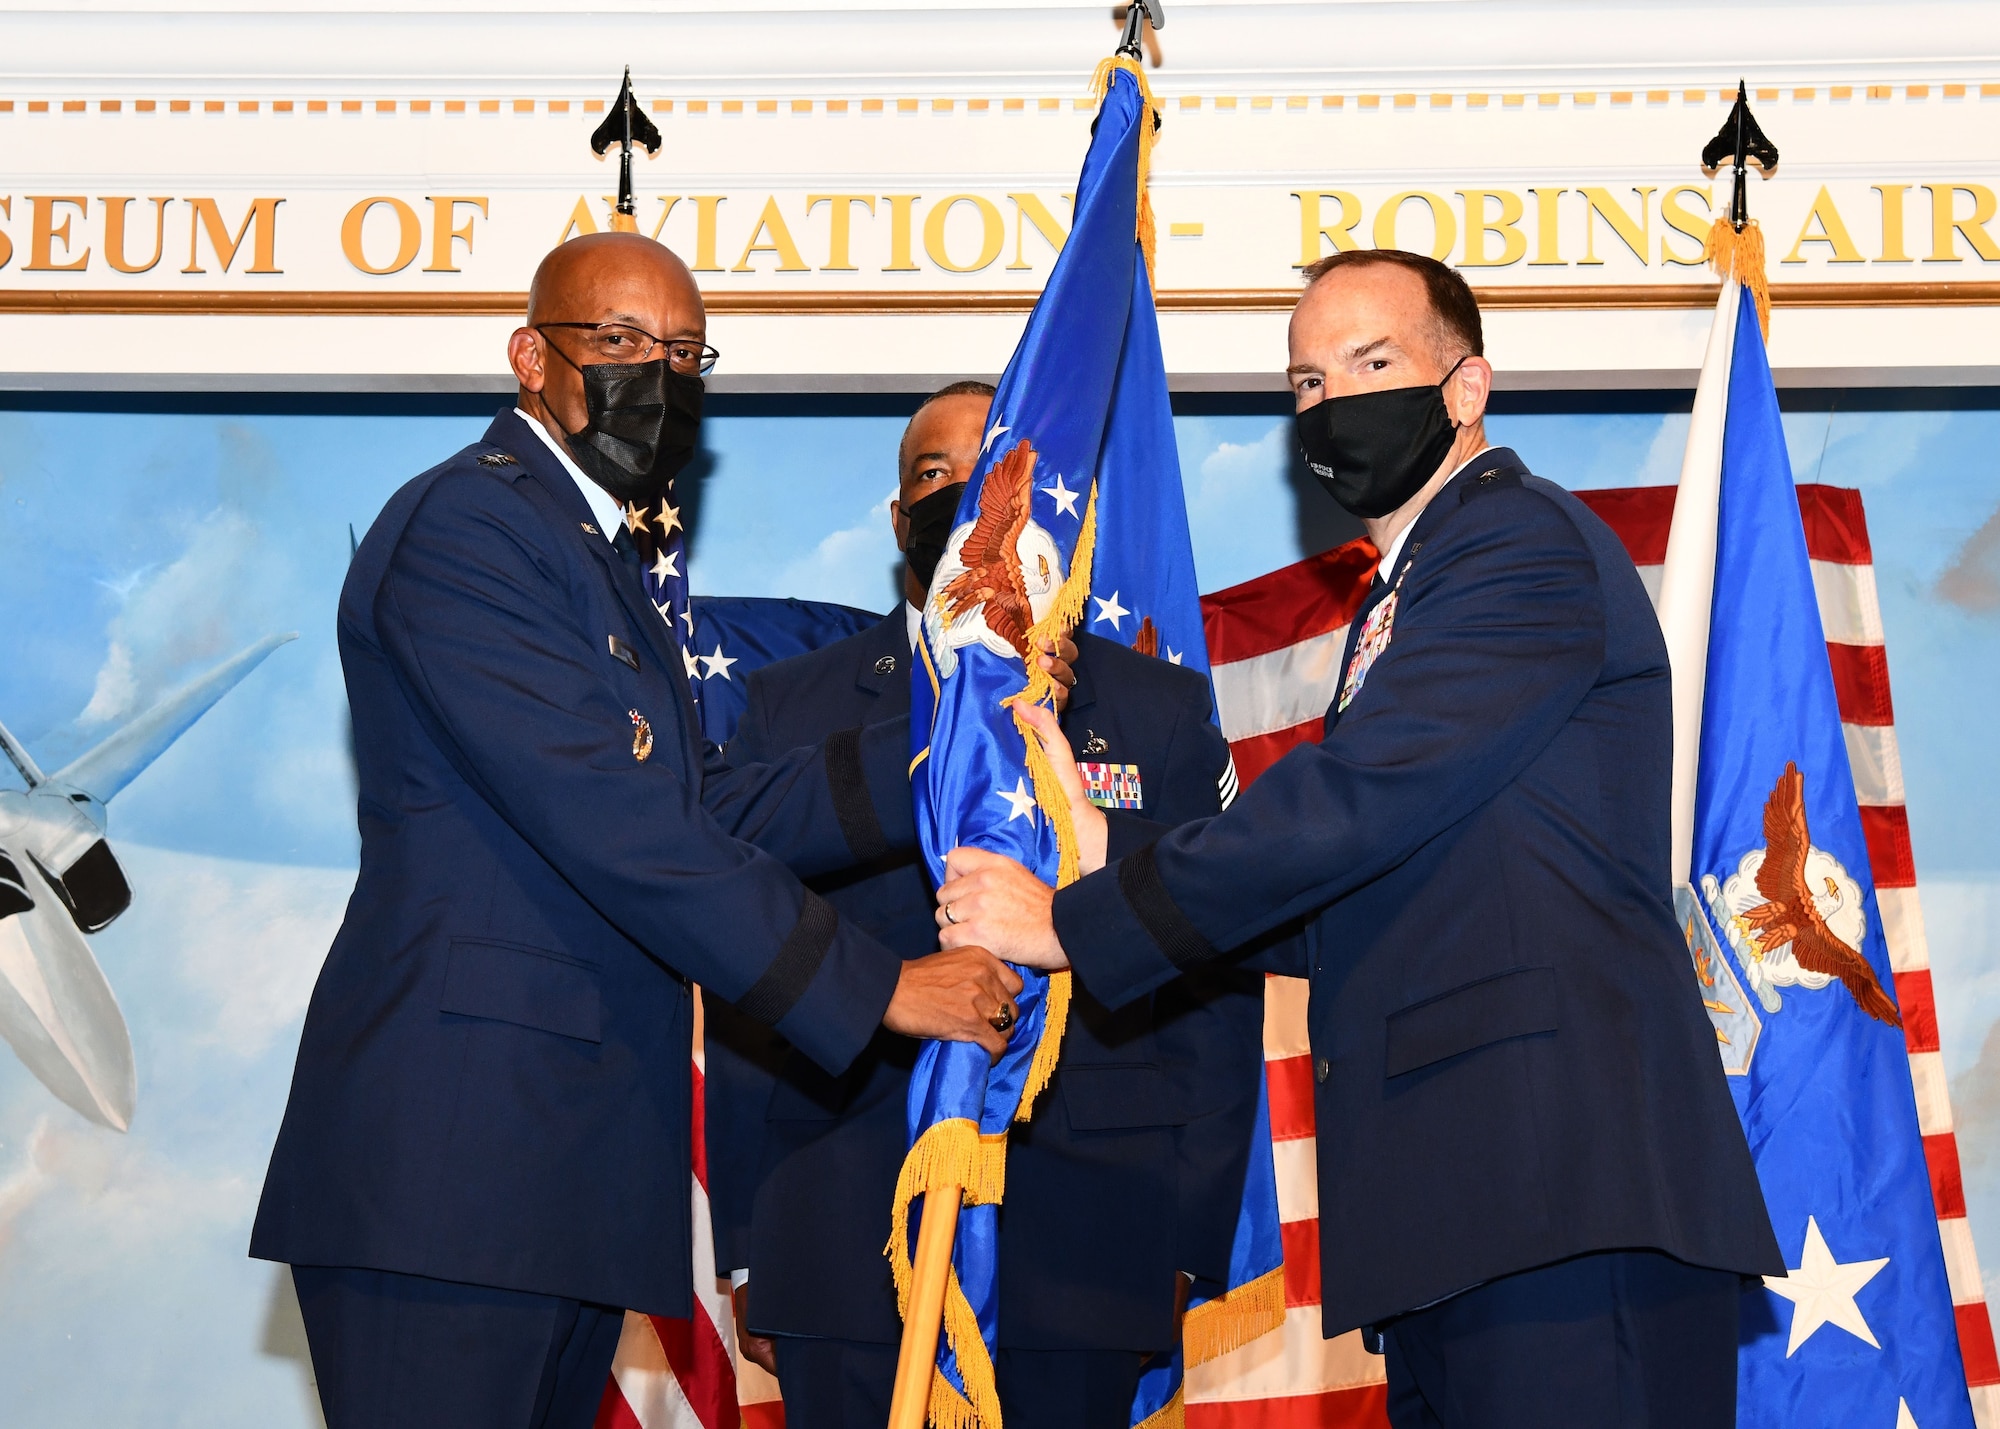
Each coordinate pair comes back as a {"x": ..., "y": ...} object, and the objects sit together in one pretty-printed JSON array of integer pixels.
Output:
[
  {"x": 1029, "y": 209},
  {"x": 6, "y": 243},
  {"x": 444, "y": 213},
  {"x": 114, "y": 233},
  {"x": 705, "y": 206},
  {"x": 1892, "y": 223},
  {"x": 900, "y": 259},
  {"x": 667, "y": 202},
  {"x": 1513, "y": 242},
  {"x": 1684, "y": 221},
  {"x": 1312, "y": 228},
  {"x": 45, "y": 233},
  {"x": 1548, "y": 229},
  {"x": 260, "y": 223},
  {"x": 1444, "y": 223},
  {"x": 772, "y": 222},
  {"x": 840, "y": 236},
  {"x": 1636, "y": 233},
  {"x": 1945, "y": 224},
  {"x": 992, "y": 239},
  {"x": 581, "y": 221},
  {"x": 1832, "y": 232},
  {"x": 409, "y": 235}
]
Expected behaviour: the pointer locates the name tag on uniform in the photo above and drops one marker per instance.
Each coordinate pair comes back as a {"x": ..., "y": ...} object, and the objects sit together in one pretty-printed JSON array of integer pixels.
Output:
[{"x": 1111, "y": 786}]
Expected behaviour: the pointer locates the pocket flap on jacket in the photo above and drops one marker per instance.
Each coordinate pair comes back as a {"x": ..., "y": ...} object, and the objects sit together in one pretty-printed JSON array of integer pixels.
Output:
[
  {"x": 1509, "y": 1004},
  {"x": 1115, "y": 1098},
  {"x": 528, "y": 987}
]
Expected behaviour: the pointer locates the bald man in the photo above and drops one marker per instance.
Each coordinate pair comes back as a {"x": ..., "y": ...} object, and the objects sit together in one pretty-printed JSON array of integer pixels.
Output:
[{"x": 485, "y": 1157}]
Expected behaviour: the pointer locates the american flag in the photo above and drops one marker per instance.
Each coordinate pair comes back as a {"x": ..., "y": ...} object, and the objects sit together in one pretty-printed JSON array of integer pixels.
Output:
[{"x": 1274, "y": 645}]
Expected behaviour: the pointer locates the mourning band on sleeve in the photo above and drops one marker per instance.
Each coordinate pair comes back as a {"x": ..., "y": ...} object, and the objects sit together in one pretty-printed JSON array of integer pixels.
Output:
[
  {"x": 795, "y": 966},
  {"x": 1179, "y": 939},
  {"x": 852, "y": 804}
]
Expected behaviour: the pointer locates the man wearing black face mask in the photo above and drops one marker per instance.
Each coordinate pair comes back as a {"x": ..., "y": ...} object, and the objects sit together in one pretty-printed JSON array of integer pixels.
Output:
[
  {"x": 485, "y": 1158},
  {"x": 1127, "y": 1181},
  {"x": 1533, "y": 1188}
]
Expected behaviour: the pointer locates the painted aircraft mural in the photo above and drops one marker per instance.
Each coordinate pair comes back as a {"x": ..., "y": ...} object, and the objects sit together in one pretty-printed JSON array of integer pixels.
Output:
[{"x": 59, "y": 880}]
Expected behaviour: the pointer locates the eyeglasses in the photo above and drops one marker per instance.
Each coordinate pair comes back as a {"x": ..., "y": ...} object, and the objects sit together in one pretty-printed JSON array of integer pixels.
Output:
[{"x": 620, "y": 342}]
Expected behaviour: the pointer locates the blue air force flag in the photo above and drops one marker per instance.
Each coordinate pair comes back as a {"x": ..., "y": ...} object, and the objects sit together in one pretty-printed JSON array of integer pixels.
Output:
[
  {"x": 1078, "y": 467},
  {"x": 1775, "y": 895}
]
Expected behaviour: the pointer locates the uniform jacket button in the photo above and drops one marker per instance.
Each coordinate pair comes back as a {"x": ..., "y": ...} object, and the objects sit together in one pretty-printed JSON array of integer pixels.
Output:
[{"x": 1320, "y": 1068}]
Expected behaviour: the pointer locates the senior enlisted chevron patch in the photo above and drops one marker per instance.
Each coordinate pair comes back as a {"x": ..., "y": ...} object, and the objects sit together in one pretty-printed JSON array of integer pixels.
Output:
[{"x": 1111, "y": 786}]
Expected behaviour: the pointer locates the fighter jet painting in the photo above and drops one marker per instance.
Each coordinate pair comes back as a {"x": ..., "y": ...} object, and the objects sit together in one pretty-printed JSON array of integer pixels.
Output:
[{"x": 59, "y": 880}]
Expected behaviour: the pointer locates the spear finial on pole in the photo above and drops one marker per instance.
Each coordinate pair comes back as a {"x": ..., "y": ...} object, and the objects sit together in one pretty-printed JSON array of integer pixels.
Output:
[
  {"x": 625, "y": 126},
  {"x": 1735, "y": 242}
]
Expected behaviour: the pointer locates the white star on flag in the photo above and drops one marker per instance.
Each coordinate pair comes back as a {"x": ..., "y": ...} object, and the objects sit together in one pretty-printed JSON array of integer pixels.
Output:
[
  {"x": 666, "y": 613},
  {"x": 1822, "y": 1291},
  {"x": 1065, "y": 498},
  {"x": 669, "y": 519},
  {"x": 718, "y": 663},
  {"x": 693, "y": 662},
  {"x": 998, "y": 430},
  {"x": 1109, "y": 610},
  {"x": 663, "y": 565},
  {"x": 1019, "y": 801},
  {"x": 688, "y": 617},
  {"x": 1173, "y": 657},
  {"x": 1905, "y": 1419}
]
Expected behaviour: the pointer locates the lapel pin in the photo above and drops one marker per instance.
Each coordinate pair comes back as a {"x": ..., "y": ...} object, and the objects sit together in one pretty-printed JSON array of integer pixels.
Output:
[
  {"x": 642, "y": 736},
  {"x": 886, "y": 665},
  {"x": 622, "y": 653}
]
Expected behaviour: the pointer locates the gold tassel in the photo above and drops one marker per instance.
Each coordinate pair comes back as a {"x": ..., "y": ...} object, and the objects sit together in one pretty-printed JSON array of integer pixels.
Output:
[
  {"x": 979, "y": 1406},
  {"x": 1215, "y": 1327},
  {"x": 1100, "y": 85},
  {"x": 1055, "y": 1021},
  {"x": 1740, "y": 257},
  {"x": 949, "y": 1153}
]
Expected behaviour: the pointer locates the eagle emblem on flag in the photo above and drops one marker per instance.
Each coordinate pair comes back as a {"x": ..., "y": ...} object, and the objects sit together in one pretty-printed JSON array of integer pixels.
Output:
[
  {"x": 1001, "y": 571},
  {"x": 1794, "y": 914}
]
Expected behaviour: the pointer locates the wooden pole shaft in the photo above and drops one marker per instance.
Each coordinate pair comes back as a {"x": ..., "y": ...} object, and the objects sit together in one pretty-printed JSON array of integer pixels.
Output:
[{"x": 916, "y": 1360}]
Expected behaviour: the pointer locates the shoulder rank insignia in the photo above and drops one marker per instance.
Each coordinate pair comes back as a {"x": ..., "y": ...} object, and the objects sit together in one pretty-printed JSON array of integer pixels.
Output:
[
  {"x": 642, "y": 736},
  {"x": 496, "y": 459},
  {"x": 1111, "y": 786}
]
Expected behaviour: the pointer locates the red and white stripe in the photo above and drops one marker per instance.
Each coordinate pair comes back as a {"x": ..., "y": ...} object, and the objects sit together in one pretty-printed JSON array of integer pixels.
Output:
[
  {"x": 687, "y": 1374},
  {"x": 1275, "y": 644}
]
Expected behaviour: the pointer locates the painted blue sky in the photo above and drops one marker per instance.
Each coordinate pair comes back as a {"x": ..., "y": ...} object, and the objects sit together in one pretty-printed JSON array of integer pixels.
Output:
[{"x": 136, "y": 549}]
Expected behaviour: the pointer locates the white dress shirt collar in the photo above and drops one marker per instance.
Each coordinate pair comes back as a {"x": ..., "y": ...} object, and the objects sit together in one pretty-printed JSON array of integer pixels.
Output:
[
  {"x": 915, "y": 620},
  {"x": 610, "y": 516},
  {"x": 1387, "y": 569}
]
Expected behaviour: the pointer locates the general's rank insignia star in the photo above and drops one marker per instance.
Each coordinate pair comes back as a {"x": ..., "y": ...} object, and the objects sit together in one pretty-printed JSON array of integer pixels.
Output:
[
  {"x": 642, "y": 736},
  {"x": 495, "y": 459}
]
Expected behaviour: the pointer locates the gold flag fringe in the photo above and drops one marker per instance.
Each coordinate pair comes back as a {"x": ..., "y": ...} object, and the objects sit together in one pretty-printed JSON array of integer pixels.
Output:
[
  {"x": 1740, "y": 257},
  {"x": 950, "y": 1153},
  {"x": 1228, "y": 1322},
  {"x": 1100, "y": 85},
  {"x": 979, "y": 1406}
]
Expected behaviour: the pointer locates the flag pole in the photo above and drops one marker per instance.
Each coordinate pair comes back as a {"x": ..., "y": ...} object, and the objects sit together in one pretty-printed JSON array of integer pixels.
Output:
[{"x": 916, "y": 1360}]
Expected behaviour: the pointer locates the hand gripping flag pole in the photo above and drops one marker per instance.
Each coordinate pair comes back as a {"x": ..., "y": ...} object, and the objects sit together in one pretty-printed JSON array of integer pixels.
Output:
[
  {"x": 1016, "y": 571},
  {"x": 1773, "y": 887}
]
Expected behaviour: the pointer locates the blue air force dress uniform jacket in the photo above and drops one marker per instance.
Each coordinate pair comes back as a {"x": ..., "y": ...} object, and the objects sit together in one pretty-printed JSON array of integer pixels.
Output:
[
  {"x": 493, "y": 1086},
  {"x": 1512, "y": 1060},
  {"x": 1132, "y": 1168}
]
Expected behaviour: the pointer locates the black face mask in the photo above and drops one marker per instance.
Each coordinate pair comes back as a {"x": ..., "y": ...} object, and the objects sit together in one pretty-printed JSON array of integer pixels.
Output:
[
  {"x": 644, "y": 421},
  {"x": 1375, "y": 450},
  {"x": 930, "y": 528}
]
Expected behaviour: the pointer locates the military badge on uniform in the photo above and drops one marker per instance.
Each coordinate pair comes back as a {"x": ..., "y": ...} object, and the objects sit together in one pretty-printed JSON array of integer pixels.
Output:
[
  {"x": 1376, "y": 632},
  {"x": 495, "y": 459},
  {"x": 642, "y": 736},
  {"x": 1093, "y": 742},
  {"x": 1111, "y": 786}
]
